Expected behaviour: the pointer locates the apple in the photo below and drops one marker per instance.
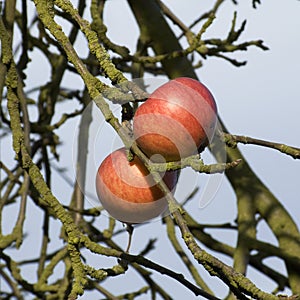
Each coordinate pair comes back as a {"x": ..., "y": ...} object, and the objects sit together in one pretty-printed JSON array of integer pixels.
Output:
[
  {"x": 176, "y": 120},
  {"x": 127, "y": 190}
]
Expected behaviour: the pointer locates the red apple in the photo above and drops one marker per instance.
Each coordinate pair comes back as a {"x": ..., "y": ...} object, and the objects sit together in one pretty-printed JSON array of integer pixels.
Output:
[
  {"x": 176, "y": 120},
  {"x": 127, "y": 190}
]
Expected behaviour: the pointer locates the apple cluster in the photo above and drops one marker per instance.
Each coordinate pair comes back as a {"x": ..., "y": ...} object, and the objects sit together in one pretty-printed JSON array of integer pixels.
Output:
[{"x": 176, "y": 121}]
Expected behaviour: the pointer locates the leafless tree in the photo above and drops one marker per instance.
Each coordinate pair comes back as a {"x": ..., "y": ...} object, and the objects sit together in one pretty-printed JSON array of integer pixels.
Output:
[{"x": 30, "y": 117}]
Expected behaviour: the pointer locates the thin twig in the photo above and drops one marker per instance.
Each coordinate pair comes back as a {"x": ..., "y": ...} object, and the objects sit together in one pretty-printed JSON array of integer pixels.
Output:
[
  {"x": 177, "y": 276},
  {"x": 181, "y": 253},
  {"x": 232, "y": 140}
]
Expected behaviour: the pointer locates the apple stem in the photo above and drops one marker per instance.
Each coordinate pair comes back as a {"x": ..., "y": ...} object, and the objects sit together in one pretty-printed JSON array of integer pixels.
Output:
[{"x": 129, "y": 229}]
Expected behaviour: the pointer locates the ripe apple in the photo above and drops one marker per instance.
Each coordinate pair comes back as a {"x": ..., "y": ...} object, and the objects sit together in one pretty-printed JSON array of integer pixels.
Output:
[
  {"x": 127, "y": 190},
  {"x": 176, "y": 120}
]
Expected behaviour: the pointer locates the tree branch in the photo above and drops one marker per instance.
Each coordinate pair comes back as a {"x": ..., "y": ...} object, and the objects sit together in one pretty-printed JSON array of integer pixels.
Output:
[{"x": 232, "y": 141}]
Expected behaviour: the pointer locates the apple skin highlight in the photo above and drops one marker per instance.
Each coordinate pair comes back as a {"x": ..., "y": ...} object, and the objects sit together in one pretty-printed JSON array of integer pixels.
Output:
[
  {"x": 127, "y": 191},
  {"x": 176, "y": 120}
]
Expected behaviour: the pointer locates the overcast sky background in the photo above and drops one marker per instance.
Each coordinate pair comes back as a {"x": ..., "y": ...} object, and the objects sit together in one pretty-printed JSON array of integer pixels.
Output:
[{"x": 260, "y": 100}]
